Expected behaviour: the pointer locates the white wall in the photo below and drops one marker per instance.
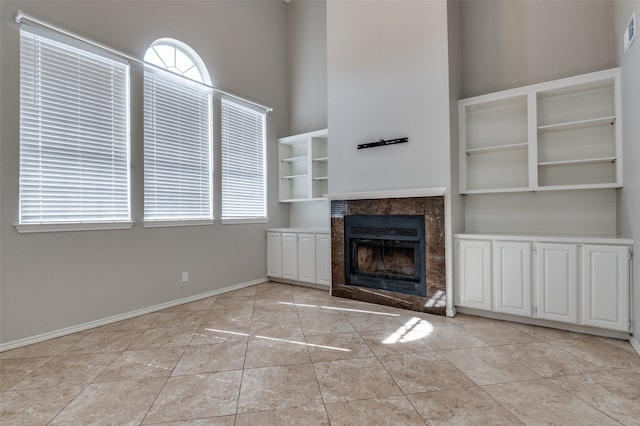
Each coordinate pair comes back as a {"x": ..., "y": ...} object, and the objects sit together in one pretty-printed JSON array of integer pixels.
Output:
[
  {"x": 554, "y": 212},
  {"x": 51, "y": 281},
  {"x": 388, "y": 77},
  {"x": 508, "y": 44},
  {"x": 629, "y": 196},
  {"x": 514, "y": 43},
  {"x": 310, "y": 214},
  {"x": 454, "y": 19},
  {"x": 307, "y": 48}
]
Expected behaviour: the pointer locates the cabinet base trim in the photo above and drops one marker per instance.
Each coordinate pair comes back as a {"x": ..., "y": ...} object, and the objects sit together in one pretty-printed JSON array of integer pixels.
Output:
[
  {"x": 635, "y": 344},
  {"x": 545, "y": 323},
  {"x": 300, "y": 283}
]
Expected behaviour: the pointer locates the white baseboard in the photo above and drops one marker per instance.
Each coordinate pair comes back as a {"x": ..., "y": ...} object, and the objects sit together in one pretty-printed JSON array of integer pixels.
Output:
[
  {"x": 635, "y": 344},
  {"x": 105, "y": 321},
  {"x": 301, "y": 283}
]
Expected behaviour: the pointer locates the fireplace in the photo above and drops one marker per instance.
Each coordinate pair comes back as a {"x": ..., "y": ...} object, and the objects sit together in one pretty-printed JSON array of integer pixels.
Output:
[
  {"x": 397, "y": 262},
  {"x": 386, "y": 253}
]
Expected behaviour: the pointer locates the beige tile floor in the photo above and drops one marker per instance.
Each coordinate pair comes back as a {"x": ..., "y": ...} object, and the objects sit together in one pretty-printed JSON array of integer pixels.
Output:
[{"x": 281, "y": 354}]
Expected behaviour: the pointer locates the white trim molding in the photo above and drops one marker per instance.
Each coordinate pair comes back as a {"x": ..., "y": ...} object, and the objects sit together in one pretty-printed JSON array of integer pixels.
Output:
[
  {"x": 393, "y": 193},
  {"x": 120, "y": 317},
  {"x": 30, "y": 228},
  {"x": 174, "y": 223}
]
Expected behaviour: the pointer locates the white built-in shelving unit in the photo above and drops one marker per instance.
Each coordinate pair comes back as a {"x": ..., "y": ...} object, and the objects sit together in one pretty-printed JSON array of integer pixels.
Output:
[
  {"x": 559, "y": 135},
  {"x": 563, "y": 134},
  {"x": 303, "y": 166}
]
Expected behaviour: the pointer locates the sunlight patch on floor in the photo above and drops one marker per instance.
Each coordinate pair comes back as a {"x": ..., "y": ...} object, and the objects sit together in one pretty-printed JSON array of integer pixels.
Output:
[
  {"x": 281, "y": 340},
  {"x": 414, "y": 329},
  {"x": 335, "y": 308}
]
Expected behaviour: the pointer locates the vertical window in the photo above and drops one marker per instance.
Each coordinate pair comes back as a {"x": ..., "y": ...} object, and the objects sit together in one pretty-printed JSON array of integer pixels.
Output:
[
  {"x": 243, "y": 163},
  {"x": 74, "y": 132},
  {"x": 177, "y": 135}
]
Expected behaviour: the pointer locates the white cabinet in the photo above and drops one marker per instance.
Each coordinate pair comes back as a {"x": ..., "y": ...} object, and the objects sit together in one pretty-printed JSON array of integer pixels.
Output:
[
  {"x": 296, "y": 255},
  {"x": 290, "y": 255},
  {"x": 573, "y": 281},
  {"x": 473, "y": 268},
  {"x": 323, "y": 259},
  {"x": 307, "y": 258},
  {"x": 563, "y": 134},
  {"x": 557, "y": 282},
  {"x": 303, "y": 170},
  {"x": 512, "y": 277},
  {"x": 274, "y": 254},
  {"x": 605, "y": 297}
]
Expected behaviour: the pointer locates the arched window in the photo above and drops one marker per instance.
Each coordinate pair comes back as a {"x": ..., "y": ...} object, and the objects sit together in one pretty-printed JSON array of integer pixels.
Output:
[
  {"x": 177, "y": 134},
  {"x": 177, "y": 57}
]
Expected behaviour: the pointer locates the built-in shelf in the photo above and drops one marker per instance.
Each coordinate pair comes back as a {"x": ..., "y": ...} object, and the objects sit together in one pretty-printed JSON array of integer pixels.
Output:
[
  {"x": 303, "y": 166},
  {"x": 583, "y": 161},
  {"x": 497, "y": 148},
  {"x": 577, "y": 124},
  {"x": 292, "y": 159},
  {"x": 497, "y": 190},
  {"x": 563, "y": 134},
  {"x": 295, "y": 176}
]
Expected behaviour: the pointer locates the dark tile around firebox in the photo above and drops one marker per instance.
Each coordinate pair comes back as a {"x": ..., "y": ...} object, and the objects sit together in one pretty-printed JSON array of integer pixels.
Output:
[{"x": 337, "y": 251}]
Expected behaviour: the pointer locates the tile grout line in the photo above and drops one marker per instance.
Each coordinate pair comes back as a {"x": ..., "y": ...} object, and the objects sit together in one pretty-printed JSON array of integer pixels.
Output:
[
  {"x": 146, "y": 414},
  {"x": 244, "y": 360},
  {"x": 398, "y": 385}
]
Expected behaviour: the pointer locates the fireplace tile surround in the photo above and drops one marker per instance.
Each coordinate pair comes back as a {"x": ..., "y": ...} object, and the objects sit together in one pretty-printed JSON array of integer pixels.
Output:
[{"x": 432, "y": 208}]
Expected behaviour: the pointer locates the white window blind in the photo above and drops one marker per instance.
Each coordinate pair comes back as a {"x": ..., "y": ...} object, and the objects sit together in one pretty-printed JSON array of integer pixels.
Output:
[
  {"x": 74, "y": 133},
  {"x": 243, "y": 162},
  {"x": 177, "y": 148}
]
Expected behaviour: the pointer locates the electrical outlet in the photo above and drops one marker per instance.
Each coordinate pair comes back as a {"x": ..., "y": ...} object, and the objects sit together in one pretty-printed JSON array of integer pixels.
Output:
[{"x": 185, "y": 276}]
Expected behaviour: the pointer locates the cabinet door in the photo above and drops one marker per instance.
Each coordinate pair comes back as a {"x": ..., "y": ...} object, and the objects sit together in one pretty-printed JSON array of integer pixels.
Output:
[
  {"x": 512, "y": 277},
  {"x": 557, "y": 282},
  {"x": 290, "y": 255},
  {"x": 323, "y": 259},
  {"x": 473, "y": 271},
  {"x": 307, "y": 257},
  {"x": 274, "y": 254},
  {"x": 605, "y": 287}
]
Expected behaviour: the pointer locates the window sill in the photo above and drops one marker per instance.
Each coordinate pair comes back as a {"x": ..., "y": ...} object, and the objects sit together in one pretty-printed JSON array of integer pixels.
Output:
[
  {"x": 65, "y": 227},
  {"x": 241, "y": 221},
  {"x": 174, "y": 223}
]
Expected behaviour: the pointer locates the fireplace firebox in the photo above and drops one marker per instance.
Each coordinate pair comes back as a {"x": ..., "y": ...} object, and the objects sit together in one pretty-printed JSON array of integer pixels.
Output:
[{"x": 386, "y": 253}]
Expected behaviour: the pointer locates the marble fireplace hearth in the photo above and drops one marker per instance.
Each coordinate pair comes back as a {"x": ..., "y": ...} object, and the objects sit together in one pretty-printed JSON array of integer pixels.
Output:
[{"x": 432, "y": 209}]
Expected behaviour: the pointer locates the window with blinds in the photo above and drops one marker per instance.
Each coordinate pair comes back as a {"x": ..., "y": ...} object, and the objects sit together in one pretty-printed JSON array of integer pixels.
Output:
[
  {"x": 74, "y": 132},
  {"x": 177, "y": 141},
  {"x": 243, "y": 163}
]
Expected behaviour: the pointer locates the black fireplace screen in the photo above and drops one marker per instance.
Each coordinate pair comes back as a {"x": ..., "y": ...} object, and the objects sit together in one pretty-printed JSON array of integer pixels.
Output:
[
  {"x": 386, "y": 252},
  {"x": 392, "y": 259}
]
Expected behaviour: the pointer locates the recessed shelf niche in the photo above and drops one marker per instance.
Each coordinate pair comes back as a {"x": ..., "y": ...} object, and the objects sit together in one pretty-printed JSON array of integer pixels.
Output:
[{"x": 303, "y": 166}]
